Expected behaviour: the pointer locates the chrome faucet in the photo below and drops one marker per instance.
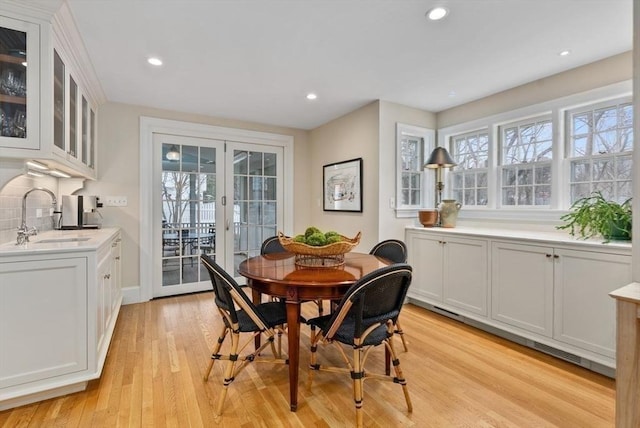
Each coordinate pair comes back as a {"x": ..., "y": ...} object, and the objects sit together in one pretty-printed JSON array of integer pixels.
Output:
[{"x": 23, "y": 231}]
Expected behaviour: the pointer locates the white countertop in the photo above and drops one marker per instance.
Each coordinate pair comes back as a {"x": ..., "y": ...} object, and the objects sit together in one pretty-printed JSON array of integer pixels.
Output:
[
  {"x": 90, "y": 239},
  {"x": 630, "y": 293},
  {"x": 553, "y": 237}
]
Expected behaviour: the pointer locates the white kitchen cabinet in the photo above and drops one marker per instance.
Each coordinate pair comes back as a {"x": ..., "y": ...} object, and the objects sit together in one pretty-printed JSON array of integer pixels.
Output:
[
  {"x": 43, "y": 312},
  {"x": 59, "y": 303},
  {"x": 425, "y": 255},
  {"x": 546, "y": 290},
  {"x": 584, "y": 314},
  {"x": 522, "y": 286},
  {"x": 74, "y": 118},
  {"x": 453, "y": 270},
  {"x": 108, "y": 294},
  {"x": 61, "y": 93},
  {"x": 19, "y": 84}
]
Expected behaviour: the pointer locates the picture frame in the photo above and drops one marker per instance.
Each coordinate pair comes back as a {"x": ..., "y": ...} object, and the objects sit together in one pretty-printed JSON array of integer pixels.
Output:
[{"x": 342, "y": 186}]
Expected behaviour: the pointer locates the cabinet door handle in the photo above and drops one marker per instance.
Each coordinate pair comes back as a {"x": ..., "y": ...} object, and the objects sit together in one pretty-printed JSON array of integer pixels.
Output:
[
  {"x": 548, "y": 256},
  {"x": 555, "y": 256},
  {"x": 117, "y": 257},
  {"x": 107, "y": 276}
]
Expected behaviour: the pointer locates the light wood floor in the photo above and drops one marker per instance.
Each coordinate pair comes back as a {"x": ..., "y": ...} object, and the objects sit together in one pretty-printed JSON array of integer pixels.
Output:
[{"x": 457, "y": 377}]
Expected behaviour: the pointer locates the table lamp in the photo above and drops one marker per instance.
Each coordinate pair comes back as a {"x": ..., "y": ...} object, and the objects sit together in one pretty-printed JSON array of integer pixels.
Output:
[{"x": 439, "y": 159}]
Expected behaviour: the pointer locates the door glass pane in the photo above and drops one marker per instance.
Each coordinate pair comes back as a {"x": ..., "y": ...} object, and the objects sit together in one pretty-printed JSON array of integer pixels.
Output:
[
  {"x": 13, "y": 83},
  {"x": 255, "y": 208},
  {"x": 58, "y": 101},
  {"x": 188, "y": 211}
]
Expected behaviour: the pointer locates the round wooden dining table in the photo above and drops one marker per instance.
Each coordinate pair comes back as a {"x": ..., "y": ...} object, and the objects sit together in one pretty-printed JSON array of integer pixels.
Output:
[{"x": 278, "y": 275}]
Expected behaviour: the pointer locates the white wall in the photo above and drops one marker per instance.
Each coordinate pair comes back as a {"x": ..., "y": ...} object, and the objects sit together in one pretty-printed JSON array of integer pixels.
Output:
[
  {"x": 610, "y": 70},
  {"x": 354, "y": 135},
  {"x": 389, "y": 226},
  {"x": 118, "y": 169}
]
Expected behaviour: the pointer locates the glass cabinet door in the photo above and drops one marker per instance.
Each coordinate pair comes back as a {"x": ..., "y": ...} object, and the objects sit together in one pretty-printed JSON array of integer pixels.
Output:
[
  {"x": 73, "y": 118},
  {"x": 19, "y": 84},
  {"x": 58, "y": 101},
  {"x": 92, "y": 141},
  {"x": 85, "y": 131}
]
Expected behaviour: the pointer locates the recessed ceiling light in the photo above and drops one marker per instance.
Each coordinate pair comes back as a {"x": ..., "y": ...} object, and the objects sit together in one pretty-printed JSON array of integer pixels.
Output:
[
  {"x": 564, "y": 53},
  {"x": 311, "y": 96},
  {"x": 155, "y": 61},
  {"x": 437, "y": 13}
]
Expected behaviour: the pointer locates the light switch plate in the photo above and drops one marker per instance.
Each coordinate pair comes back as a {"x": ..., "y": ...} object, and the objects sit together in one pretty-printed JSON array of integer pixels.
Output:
[{"x": 114, "y": 201}]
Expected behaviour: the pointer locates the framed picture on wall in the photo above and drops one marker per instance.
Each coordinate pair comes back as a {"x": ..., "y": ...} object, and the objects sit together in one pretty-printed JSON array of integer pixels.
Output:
[{"x": 342, "y": 186}]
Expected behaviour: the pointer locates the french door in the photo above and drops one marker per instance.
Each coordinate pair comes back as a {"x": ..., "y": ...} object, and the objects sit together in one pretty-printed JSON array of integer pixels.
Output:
[{"x": 216, "y": 197}]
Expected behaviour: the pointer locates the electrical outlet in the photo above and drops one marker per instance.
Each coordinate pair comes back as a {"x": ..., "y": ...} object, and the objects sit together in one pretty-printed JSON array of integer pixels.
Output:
[{"x": 115, "y": 201}]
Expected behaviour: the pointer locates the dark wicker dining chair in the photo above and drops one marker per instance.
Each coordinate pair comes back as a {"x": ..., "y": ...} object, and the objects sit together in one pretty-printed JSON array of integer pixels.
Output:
[
  {"x": 272, "y": 245},
  {"x": 240, "y": 315},
  {"x": 395, "y": 251},
  {"x": 364, "y": 319}
]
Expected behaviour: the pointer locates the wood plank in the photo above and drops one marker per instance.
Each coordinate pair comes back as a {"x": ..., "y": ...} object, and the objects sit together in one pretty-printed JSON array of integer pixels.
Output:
[{"x": 457, "y": 376}]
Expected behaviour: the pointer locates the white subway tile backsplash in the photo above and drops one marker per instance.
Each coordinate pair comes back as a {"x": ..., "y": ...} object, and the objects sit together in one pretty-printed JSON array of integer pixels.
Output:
[{"x": 11, "y": 205}]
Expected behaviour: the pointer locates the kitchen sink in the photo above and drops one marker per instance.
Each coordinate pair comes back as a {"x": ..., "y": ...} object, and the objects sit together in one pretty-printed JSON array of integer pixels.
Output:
[{"x": 54, "y": 240}]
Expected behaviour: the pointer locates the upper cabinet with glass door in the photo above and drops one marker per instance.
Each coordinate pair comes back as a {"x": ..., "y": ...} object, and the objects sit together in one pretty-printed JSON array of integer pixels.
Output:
[
  {"x": 19, "y": 84},
  {"x": 48, "y": 90},
  {"x": 74, "y": 119}
]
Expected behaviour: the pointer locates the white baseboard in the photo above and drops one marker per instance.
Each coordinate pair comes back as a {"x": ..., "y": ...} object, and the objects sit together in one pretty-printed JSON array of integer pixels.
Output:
[{"x": 132, "y": 295}]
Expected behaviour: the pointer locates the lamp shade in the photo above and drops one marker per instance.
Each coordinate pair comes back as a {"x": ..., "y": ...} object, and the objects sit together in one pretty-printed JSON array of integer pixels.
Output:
[{"x": 439, "y": 158}]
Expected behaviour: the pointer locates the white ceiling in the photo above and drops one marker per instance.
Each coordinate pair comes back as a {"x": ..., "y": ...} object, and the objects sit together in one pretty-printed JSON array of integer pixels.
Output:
[{"x": 255, "y": 60}]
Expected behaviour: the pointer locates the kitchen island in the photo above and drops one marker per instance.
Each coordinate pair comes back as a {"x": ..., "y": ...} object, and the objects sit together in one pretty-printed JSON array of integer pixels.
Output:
[{"x": 60, "y": 295}]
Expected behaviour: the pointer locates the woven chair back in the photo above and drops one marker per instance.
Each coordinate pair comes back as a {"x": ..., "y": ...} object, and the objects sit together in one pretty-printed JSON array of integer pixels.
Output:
[
  {"x": 375, "y": 298},
  {"x": 391, "y": 249}
]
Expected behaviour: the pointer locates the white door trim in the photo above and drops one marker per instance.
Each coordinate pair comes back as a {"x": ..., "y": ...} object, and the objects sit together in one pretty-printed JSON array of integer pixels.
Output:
[{"x": 151, "y": 125}]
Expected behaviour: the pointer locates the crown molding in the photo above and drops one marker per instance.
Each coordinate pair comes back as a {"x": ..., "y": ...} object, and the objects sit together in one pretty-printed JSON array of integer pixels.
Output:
[
  {"x": 39, "y": 9},
  {"x": 68, "y": 37}
]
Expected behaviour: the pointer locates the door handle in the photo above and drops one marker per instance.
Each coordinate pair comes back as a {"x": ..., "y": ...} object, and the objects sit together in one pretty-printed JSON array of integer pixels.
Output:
[{"x": 228, "y": 224}]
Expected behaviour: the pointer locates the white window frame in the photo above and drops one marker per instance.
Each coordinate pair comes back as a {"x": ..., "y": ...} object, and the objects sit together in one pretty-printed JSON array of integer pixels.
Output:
[
  {"x": 591, "y": 158},
  {"x": 557, "y": 108},
  {"x": 517, "y": 167},
  {"x": 458, "y": 170},
  {"x": 427, "y": 181}
]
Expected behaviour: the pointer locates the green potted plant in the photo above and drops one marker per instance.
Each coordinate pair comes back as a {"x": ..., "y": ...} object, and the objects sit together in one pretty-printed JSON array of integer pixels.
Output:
[{"x": 594, "y": 215}]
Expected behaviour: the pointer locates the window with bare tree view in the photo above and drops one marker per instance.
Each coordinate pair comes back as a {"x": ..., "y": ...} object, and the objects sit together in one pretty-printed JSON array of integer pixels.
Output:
[
  {"x": 526, "y": 154},
  {"x": 470, "y": 176},
  {"x": 601, "y": 144}
]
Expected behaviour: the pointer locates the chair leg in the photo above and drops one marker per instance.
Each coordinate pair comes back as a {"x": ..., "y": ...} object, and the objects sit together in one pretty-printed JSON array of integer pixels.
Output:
[
  {"x": 398, "y": 371},
  {"x": 400, "y": 333},
  {"x": 313, "y": 358},
  {"x": 358, "y": 380},
  {"x": 228, "y": 374},
  {"x": 216, "y": 349}
]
